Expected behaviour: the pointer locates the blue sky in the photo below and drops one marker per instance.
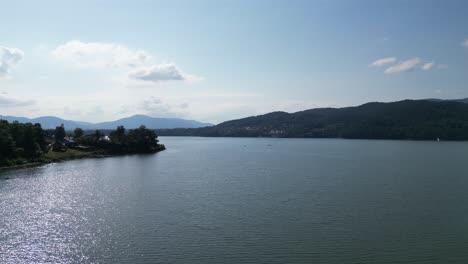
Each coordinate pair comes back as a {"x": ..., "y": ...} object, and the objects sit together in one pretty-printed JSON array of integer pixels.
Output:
[{"x": 219, "y": 60}]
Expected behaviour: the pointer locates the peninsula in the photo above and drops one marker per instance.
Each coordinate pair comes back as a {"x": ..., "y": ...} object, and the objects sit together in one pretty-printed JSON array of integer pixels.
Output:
[{"x": 26, "y": 144}]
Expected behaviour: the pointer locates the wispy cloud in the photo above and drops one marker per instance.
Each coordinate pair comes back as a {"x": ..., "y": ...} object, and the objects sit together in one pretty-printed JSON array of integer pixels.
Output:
[
  {"x": 428, "y": 66},
  {"x": 465, "y": 43},
  {"x": 155, "y": 107},
  {"x": 383, "y": 61},
  {"x": 137, "y": 64},
  {"x": 8, "y": 101},
  {"x": 393, "y": 66},
  {"x": 9, "y": 57},
  {"x": 404, "y": 66}
]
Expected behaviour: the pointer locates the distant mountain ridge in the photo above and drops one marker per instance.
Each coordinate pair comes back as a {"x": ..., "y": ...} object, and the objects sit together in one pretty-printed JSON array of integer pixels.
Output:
[
  {"x": 427, "y": 119},
  {"x": 152, "y": 123},
  {"x": 50, "y": 122},
  {"x": 463, "y": 100}
]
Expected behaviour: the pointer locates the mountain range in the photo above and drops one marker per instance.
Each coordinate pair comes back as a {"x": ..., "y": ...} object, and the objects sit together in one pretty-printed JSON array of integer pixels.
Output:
[
  {"x": 50, "y": 122},
  {"x": 427, "y": 119},
  {"x": 408, "y": 119}
]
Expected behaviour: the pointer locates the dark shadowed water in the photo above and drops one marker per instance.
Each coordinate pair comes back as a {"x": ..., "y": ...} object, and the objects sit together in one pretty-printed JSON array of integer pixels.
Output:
[{"x": 225, "y": 200}]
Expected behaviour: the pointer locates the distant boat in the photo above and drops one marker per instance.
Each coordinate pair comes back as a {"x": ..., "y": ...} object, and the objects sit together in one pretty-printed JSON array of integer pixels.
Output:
[{"x": 438, "y": 139}]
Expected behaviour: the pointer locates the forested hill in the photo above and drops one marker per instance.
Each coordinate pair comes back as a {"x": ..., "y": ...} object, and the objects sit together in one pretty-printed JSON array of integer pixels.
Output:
[{"x": 408, "y": 119}]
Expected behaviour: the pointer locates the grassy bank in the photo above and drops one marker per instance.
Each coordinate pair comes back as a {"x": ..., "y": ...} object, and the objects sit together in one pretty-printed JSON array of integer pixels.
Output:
[
  {"x": 50, "y": 157},
  {"x": 56, "y": 156}
]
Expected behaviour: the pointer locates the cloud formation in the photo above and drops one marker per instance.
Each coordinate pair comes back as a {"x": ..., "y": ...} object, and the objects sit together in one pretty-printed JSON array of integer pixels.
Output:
[
  {"x": 404, "y": 66},
  {"x": 9, "y": 57},
  {"x": 383, "y": 61},
  {"x": 137, "y": 64},
  {"x": 156, "y": 73},
  {"x": 100, "y": 55},
  {"x": 6, "y": 100},
  {"x": 428, "y": 66}
]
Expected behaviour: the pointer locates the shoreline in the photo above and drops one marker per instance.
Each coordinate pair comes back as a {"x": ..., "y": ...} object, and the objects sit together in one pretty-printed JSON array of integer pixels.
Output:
[
  {"x": 326, "y": 138},
  {"x": 81, "y": 155}
]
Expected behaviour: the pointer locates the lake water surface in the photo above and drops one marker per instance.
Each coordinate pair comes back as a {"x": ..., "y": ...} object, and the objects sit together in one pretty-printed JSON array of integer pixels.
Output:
[{"x": 228, "y": 200}]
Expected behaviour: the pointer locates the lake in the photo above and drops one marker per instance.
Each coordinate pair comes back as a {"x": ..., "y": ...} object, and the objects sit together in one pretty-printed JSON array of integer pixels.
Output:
[{"x": 244, "y": 200}]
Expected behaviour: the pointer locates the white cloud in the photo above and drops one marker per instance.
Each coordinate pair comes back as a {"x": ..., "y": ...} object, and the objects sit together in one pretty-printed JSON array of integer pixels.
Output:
[
  {"x": 383, "y": 61},
  {"x": 404, "y": 66},
  {"x": 155, "y": 107},
  {"x": 465, "y": 43},
  {"x": 9, "y": 57},
  {"x": 137, "y": 64},
  {"x": 6, "y": 100},
  {"x": 156, "y": 73},
  {"x": 99, "y": 55},
  {"x": 407, "y": 65},
  {"x": 428, "y": 66}
]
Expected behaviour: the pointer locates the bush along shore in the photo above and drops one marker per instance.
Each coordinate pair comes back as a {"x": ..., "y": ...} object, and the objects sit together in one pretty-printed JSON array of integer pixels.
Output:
[{"x": 26, "y": 145}]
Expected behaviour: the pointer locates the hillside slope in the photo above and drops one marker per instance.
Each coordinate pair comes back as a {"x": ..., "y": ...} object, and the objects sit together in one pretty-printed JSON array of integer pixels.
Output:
[{"x": 408, "y": 119}]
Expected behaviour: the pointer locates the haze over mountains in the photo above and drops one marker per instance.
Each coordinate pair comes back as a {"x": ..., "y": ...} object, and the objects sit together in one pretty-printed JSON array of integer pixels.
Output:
[{"x": 50, "y": 122}]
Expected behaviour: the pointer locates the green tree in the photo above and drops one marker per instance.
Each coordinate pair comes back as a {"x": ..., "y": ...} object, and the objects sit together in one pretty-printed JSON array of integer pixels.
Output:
[
  {"x": 7, "y": 145},
  {"x": 118, "y": 136},
  {"x": 29, "y": 145},
  {"x": 78, "y": 132},
  {"x": 98, "y": 134},
  {"x": 17, "y": 133},
  {"x": 39, "y": 136},
  {"x": 141, "y": 140},
  {"x": 60, "y": 132}
]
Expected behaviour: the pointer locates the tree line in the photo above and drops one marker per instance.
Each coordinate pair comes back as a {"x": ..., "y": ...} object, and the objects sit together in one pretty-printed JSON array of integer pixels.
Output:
[
  {"x": 19, "y": 140},
  {"x": 23, "y": 142},
  {"x": 121, "y": 140}
]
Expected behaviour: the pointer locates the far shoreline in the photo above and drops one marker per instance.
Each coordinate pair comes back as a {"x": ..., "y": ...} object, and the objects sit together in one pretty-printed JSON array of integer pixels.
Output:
[{"x": 340, "y": 138}]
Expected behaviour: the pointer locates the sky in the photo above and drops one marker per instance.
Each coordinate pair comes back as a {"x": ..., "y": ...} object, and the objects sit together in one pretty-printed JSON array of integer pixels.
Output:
[{"x": 218, "y": 60}]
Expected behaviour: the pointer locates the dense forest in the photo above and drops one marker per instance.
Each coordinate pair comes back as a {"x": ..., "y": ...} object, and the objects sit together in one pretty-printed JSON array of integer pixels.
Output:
[
  {"x": 408, "y": 119},
  {"x": 21, "y": 141},
  {"x": 120, "y": 141},
  {"x": 24, "y": 143}
]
